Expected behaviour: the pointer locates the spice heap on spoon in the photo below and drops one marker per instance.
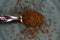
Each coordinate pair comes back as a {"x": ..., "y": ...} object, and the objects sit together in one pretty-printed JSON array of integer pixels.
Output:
[{"x": 32, "y": 17}]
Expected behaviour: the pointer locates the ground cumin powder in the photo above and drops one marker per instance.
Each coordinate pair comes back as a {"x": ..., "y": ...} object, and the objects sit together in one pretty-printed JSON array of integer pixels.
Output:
[{"x": 31, "y": 17}]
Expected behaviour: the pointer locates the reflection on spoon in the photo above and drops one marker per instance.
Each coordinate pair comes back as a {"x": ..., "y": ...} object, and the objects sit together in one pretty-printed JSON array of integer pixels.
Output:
[{"x": 6, "y": 18}]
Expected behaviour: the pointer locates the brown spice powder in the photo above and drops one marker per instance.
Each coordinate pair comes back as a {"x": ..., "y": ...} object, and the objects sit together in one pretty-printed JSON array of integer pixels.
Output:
[{"x": 32, "y": 17}]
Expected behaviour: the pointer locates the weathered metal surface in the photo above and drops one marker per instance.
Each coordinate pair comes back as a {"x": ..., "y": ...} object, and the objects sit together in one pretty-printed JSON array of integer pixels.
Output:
[{"x": 50, "y": 10}]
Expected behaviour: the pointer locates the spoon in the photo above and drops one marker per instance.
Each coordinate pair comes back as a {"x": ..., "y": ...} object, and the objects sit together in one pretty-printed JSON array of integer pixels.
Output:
[{"x": 6, "y": 18}]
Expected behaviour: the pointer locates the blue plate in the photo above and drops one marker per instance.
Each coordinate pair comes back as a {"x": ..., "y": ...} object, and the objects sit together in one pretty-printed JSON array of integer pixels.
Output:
[{"x": 49, "y": 8}]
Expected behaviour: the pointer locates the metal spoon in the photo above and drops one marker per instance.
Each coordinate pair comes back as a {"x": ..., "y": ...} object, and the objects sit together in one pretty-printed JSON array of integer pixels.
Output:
[{"x": 6, "y": 18}]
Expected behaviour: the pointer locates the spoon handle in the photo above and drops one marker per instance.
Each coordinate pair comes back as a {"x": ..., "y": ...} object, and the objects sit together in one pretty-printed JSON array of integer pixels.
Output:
[{"x": 6, "y": 18}]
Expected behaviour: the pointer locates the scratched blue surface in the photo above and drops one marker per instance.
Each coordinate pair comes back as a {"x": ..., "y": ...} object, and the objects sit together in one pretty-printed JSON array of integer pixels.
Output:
[{"x": 6, "y": 28}]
